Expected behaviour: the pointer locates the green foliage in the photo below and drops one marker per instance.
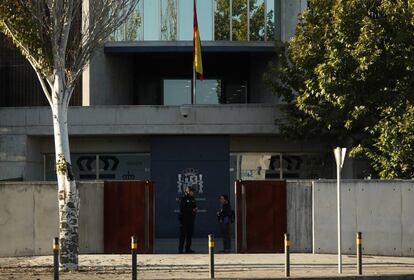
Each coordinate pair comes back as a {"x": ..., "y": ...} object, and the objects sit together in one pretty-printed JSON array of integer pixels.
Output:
[
  {"x": 349, "y": 73},
  {"x": 28, "y": 35},
  {"x": 392, "y": 152}
]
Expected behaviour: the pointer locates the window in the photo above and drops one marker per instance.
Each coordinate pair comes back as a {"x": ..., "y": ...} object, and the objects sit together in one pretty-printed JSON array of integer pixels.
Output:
[
  {"x": 205, "y": 19},
  {"x": 261, "y": 166},
  {"x": 270, "y": 27},
  {"x": 19, "y": 85},
  {"x": 151, "y": 20},
  {"x": 209, "y": 92},
  {"x": 221, "y": 20},
  {"x": 185, "y": 20},
  {"x": 236, "y": 92},
  {"x": 257, "y": 20},
  {"x": 179, "y": 92},
  {"x": 169, "y": 20},
  {"x": 239, "y": 20},
  {"x": 104, "y": 166},
  {"x": 134, "y": 27}
]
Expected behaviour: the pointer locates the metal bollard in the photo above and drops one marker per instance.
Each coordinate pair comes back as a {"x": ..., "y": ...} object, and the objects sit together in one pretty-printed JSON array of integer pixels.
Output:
[
  {"x": 134, "y": 248},
  {"x": 359, "y": 252},
  {"x": 56, "y": 258},
  {"x": 287, "y": 255},
  {"x": 211, "y": 254}
]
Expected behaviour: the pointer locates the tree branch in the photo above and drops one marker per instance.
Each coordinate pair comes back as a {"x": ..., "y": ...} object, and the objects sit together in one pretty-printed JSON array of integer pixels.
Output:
[{"x": 27, "y": 53}]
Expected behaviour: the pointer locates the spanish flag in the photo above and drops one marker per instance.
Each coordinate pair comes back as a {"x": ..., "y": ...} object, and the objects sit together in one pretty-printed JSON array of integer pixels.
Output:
[{"x": 197, "y": 62}]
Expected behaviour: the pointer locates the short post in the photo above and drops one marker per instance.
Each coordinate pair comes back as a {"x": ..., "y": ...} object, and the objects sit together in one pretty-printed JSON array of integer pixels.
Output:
[
  {"x": 134, "y": 247},
  {"x": 359, "y": 252},
  {"x": 287, "y": 255},
  {"x": 211, "y": 254},
  {"x": 56, "y": 258}
]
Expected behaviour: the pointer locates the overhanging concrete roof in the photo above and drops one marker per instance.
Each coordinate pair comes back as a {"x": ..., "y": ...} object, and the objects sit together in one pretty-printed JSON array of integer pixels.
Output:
[{"x": 187, "y": 47}]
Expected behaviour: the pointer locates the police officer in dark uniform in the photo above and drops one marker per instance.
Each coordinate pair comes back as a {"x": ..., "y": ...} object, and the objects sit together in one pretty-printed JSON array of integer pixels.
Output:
[
  {"x": 225, "y": 217},
  {"x": 188, "y": 210}
]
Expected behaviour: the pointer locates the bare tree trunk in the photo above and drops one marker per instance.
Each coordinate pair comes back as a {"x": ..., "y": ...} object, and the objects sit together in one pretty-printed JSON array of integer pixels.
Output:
[{"x": 68, "y": 193}]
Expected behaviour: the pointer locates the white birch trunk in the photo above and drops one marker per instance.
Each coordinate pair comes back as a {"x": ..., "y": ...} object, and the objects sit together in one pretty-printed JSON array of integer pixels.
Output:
[
  {"x": 68, "y": 193},
  {"x": 60, "y": 48}
]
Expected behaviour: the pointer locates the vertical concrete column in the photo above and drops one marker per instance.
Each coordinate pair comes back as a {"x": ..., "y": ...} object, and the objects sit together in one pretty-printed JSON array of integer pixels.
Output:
[{"x": 290, "y": 9}]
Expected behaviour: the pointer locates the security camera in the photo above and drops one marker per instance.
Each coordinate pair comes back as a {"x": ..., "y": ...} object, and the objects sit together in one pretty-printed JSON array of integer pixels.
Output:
[{"x": 185, "y": 111}]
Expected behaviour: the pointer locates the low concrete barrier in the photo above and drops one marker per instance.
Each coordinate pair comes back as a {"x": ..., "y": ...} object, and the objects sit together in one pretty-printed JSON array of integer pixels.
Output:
[
  {"x": 299, "y": 215},
  {"x": 29, "y": 218},
  {"x": 381, "y": 210}
]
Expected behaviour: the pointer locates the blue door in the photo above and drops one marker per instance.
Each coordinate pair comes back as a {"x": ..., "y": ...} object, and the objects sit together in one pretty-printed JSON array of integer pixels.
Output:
[{"x": 180, "y": 161}]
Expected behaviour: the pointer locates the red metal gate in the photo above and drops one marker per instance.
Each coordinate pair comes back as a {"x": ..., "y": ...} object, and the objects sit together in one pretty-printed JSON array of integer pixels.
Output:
[
  {"x": 128, "y": 210},
  {"x": 260, "y": 216}
]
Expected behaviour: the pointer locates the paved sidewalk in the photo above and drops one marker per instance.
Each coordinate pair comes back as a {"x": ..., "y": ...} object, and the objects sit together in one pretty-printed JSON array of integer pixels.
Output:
[{"x": 242, "y": 266}]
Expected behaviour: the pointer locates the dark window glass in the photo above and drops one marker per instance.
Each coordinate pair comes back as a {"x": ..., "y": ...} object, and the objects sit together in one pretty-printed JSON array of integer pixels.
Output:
[
  {"x": 19, "y": 85},
  {"x": 236, "y": 92}
]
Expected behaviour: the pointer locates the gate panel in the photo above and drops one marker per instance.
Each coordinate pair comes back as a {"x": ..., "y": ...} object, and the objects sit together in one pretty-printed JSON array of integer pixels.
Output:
[
  {"x": 128, "y": 210},
  {"x": 260, "y": 216},
  {"x": 180, "y": 161}
]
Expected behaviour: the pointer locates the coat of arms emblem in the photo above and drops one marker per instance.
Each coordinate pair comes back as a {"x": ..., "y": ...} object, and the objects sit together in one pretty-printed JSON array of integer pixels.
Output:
[{"x": 190, "y": 177}]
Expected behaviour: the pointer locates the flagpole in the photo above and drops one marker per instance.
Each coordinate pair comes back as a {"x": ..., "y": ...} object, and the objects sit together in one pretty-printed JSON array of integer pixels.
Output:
[
  {"x": 194, "y": 85},
  {"x": 194, "y": 58}
]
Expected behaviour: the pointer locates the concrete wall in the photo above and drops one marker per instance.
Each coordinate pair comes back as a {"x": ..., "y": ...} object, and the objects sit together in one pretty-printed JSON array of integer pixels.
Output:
[
  {"x": 381, "y": 210},
  {"x": 22, "y": 129},
  {"x": 29, "y": 218},
  {"x": 91, "y": 218},
  {"x": 299, "y": 215},
  {"x": 290, "y": 10},
  {"x": 12, "y": 155},
  {"x": 107, "y": 81}
]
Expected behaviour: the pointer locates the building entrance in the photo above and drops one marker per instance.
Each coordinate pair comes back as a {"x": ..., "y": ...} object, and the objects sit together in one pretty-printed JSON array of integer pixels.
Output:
[{"x": 177, "y": 162}]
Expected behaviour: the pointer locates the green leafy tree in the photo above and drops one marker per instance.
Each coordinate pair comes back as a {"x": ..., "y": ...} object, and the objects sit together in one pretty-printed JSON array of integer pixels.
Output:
[
  {"x": 58, "y": 37},
  {"x": 392, "y": 151},
  {"x": 348, "y": 69}
]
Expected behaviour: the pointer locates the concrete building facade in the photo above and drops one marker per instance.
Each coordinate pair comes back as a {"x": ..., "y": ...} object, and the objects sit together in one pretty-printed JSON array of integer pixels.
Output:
[{"x": 134, "y": 108}]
